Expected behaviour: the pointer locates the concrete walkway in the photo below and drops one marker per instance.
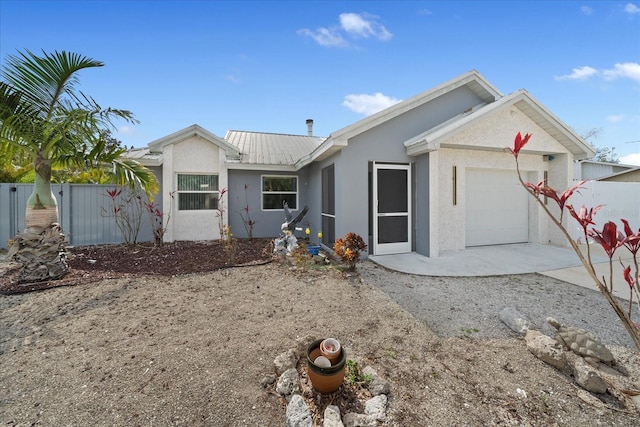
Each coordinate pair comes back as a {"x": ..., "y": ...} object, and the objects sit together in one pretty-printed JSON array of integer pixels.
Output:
[{"x": 557, "y": 262}]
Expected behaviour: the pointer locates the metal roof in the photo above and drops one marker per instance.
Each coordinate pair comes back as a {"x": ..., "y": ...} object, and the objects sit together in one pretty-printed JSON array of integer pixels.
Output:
[
  {"x": 261, "y": 148},
  {"x": 144, "y": 156}
]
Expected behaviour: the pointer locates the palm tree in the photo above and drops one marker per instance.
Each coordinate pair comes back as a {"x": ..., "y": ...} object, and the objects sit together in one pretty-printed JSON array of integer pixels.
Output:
[{"x": 44, "y": 117}]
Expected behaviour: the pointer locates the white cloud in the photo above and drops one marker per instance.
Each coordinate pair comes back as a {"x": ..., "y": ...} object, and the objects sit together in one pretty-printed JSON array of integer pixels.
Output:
[
  {"x": 586, "y": 10},
  {"x": 368, "y": 104},
  {"x": 632, "y": 9},
  {"x": 364, "y": 25},
  {"x": 631, "y": 159},
  {"x": 581, "y": 73},
  {"x": 629, "y": 70},
  {"x": 329, "y": 37},
  {"x": 353, "y": 25},
  {"x": 616, "y": 118}
]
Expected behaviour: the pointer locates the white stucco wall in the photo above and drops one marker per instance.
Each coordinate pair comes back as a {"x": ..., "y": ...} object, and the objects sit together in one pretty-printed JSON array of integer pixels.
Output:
[
  {"x": 194, "y": 155},
  {"x": 491, "y": 137}
]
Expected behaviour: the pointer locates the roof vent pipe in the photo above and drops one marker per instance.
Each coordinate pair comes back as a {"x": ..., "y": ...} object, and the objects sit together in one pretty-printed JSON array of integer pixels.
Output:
[{"x": 310, "y": 127}]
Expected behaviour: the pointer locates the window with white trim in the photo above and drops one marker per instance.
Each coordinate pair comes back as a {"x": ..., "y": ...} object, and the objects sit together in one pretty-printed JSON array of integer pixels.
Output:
[
  {"x": 197, "y": 192},
  {"x": 277, "y": 189}
]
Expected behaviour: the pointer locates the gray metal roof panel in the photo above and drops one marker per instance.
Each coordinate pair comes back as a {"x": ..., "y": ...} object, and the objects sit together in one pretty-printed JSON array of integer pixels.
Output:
[{"x": 271, "y": 148}]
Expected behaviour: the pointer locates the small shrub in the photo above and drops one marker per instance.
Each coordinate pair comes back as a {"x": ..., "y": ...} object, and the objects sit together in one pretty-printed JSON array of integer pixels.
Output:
[
  {"x": 246, "y": 215},
  {"x": 349, "y": 249},
  {"x": 300, "y": 255},
  {"x": 355, "y": 376},
  {"x": 229, "y": 243}
]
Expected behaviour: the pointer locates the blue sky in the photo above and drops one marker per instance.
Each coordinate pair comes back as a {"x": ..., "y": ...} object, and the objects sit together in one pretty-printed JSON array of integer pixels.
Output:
[{"x": 269, "y": 66}]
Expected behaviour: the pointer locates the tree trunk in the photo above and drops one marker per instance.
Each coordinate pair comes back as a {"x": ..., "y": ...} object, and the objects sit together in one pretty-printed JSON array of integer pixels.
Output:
[
  {"x": 42, "y": 207},
  {"x": 41, "y": 247}
]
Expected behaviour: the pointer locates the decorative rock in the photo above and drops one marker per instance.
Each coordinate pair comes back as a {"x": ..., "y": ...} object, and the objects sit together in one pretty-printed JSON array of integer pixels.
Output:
[
  {"x": 285, "y": 361},
  {"x": 379, "y": 386},
  {"x": 515, "y": 320},
  {"x": 377, "y": 407},
  {"x": 582, "y": 343},
  {"x": 352, "y": 419},
  {"x": 546, "y": 349},
  {"x": 368, "y": 370},
  {"x": 268, "y": 380},
  {"x": 298, "y": 413},
  {"x": 288, "y": 383},
  {"x": 585, "y": 376},
  {"x": 332, "y": 417}
]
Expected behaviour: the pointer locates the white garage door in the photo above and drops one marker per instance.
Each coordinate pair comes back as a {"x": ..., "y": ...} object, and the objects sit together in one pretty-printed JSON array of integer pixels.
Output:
[{"x": 496, "y": 208}]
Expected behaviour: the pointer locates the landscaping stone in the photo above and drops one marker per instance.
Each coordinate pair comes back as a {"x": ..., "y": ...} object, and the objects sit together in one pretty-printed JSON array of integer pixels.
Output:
[
  {"x": 268, "y": 380},
  {"x": 286, "y": 360},
  {"x": 332, "y": 417},
  {"x": 376, "y": 407},
  {"x": 298, "y": 413},
  {"x": 515, "y": 320},
  {"x": 353, "y": 419},
  {"x": 288, "y": 383},
  {"x": 546, "y": 349},
  {"x": 585, "y": 375},
  {"x": 379, "y": 386}
]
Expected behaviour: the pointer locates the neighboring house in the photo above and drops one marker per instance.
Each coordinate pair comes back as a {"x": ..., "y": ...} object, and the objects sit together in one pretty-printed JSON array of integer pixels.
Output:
[
  {"x": 629, "y": 175},
  {"x": 430, "y": 174},
  {"x": 592, "y": 169}
]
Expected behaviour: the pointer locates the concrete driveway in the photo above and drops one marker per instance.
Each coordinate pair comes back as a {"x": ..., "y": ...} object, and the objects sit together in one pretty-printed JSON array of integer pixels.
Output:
[{"x": 558, "y": 262}]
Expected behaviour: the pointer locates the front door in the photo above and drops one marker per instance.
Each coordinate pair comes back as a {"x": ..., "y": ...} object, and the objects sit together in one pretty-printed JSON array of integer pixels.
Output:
[{"x": 391, "y": 208}]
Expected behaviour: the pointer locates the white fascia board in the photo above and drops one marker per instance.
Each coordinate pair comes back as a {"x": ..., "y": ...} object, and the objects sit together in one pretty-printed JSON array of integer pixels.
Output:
[
  {"x": 327, "y": 148},
  {"x": 586, "y": 151},
  {"x": 149, "y": 162},
  {"x": 339, "y": 139},
  {"x": 260, "y": 167},
  {"x": 430, "y": 140},
  {"x": 195, "y": 130},
  {"x": 420, "y": 99}
]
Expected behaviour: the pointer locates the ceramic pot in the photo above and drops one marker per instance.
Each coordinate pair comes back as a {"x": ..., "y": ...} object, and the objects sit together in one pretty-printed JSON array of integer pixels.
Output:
[
  {"x": 330, "y": 348},
  {"x": 325, "y": 380}
]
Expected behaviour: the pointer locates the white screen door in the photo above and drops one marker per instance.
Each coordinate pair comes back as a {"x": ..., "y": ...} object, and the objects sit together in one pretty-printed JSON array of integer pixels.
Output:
[{"x": 392, "y": 209}]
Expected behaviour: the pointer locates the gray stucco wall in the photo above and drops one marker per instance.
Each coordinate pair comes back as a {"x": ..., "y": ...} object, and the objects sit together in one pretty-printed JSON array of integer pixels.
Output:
[
  {"x": 267, "y": 222},
  {"x": 384, "y": 143}
]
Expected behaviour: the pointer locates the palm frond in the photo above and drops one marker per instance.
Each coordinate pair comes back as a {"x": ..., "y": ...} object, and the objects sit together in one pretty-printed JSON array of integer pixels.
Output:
[
  {"x": 131, "y": 173},
  {"x": 47, "y": 79}
]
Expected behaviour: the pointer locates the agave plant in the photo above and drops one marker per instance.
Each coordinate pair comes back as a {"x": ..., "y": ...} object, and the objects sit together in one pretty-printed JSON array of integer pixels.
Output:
[{"x": 44, "y": 117}]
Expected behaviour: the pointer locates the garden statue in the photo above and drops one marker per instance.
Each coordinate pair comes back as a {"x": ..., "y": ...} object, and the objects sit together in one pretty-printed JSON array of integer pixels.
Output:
[{"x": 287, "y": 241}]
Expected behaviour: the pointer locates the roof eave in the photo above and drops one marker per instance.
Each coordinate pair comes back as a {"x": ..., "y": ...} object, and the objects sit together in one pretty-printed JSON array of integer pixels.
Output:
[
  {"x": 194, "y": 130},
  {"x": 473, "y": 79},
  {"x": 523, "y": 101},
  {"x": 328, "y": 148},
  {"x": 260, "y": 167}
]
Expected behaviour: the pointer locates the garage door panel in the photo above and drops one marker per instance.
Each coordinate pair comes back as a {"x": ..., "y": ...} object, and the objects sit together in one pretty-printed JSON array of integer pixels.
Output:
[{"x": 496, "y": 208}]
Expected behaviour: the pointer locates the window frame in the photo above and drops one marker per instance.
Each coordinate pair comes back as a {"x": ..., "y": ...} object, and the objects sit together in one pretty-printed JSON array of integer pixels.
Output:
[
  {"x": 215, "y": 193},
  {"x": 263, "y": 192}
]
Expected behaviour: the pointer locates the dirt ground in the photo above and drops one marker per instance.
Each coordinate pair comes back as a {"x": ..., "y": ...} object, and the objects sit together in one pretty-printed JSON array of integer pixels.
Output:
[{"x": 175, "y": 336}]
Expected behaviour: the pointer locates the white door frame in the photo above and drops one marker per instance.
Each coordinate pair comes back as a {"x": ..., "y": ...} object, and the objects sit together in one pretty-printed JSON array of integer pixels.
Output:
[{"x": 395, "y": 247}]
